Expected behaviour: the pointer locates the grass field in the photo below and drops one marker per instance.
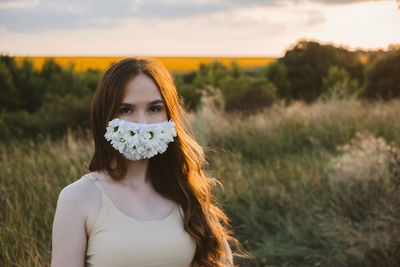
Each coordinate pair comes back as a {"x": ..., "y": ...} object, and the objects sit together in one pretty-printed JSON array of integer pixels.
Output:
[
  {"x": 176, "y": 64},
  {"x": 304, "y": 185}
]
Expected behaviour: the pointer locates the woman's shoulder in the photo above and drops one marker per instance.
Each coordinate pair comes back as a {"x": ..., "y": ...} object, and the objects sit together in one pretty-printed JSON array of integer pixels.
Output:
[
  {"x": 74, "y": 205},
  {"x": 81, "y": 192}
]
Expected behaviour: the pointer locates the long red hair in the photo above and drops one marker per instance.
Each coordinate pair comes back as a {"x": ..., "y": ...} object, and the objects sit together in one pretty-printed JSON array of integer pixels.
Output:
[{"x": 176, "y": 174}]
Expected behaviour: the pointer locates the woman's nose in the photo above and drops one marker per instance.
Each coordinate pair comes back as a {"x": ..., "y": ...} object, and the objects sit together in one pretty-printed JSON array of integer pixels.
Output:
[{"x": 141, "y": 117}]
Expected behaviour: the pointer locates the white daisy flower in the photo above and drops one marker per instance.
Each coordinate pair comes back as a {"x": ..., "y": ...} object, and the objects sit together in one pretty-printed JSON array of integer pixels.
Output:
[{"x": 140, "y": 140}]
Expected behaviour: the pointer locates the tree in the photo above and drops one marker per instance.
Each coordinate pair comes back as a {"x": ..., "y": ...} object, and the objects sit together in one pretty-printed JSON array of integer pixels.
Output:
[
  {"x": 29, "y": 86},
  {"x": 8, "y": 92},
  {"x": 308, "y": 62},
  {"x": 383, "y": 77},
  {"x": 235, "y": 71},
  {"x": 277, "y": 72}
]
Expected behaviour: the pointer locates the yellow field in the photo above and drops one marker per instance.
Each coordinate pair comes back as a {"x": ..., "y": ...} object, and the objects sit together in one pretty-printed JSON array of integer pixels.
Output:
[{"x": 176, "y": 64}]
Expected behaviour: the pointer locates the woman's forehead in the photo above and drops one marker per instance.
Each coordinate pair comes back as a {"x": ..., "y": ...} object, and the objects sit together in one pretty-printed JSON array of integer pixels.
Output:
[
  {"x": 141, "y": 89},
  {"x": 141, "y": 82}
]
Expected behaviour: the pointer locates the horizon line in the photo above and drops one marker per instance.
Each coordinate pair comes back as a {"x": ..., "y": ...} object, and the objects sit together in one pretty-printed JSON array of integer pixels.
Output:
[{"x": 141, "y": 55}]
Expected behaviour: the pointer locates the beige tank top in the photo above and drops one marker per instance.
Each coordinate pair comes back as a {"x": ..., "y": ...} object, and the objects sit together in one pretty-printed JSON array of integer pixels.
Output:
[{"x": 119, "y": 240}]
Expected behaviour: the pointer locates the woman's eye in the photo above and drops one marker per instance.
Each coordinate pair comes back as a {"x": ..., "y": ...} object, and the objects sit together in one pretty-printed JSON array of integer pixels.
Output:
[
  {"x": 124, "y": 110},
  {"x": 155, "y": 108}
]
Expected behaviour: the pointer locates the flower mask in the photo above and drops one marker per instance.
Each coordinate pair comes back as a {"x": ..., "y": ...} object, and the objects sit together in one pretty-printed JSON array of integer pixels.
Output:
[{"x": 140, "y": 140}]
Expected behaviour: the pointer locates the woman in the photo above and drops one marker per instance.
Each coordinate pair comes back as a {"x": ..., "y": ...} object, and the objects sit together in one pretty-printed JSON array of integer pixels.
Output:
[{"x": 146, "y": 200}]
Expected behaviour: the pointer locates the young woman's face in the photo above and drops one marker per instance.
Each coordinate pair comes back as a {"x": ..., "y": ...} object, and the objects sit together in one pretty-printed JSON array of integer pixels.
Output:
[{"x": 142, "y": 102}]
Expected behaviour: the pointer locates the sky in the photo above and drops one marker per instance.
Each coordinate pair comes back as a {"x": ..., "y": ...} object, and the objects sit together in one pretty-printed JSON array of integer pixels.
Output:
[{"x": 264, "y": 28}]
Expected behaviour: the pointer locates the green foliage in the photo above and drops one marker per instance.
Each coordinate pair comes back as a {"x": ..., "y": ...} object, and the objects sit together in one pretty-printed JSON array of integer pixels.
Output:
[
  {"x": 211, "y": 74},
  {"x": 8, "y": 92},
  {"x": 191, "y": 96},
  {"x": 277, "y": 73},
  {"x": 308, "y": 62},
  {"x": 247, "y": 94},
  {"x": 58, "y": 114},
  {"x": 27, "y": 83},
  {"x": 50, "y": 69},
  {"x": 235, "y": 71},
  {"x": 383, "y": 77},
  {"x": 339, "y": 84},
  {"x": 240, "y": 92},
  {"x": 41, "y": 102},
  {"x": 192, "y": 85},
  {"x": 30, "y": 87},
  {"x": 50, "y": 101},
  {"x": 61, "y": 82}
]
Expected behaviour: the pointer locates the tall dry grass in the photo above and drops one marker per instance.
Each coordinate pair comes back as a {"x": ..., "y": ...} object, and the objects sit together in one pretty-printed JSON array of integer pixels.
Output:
[
  {"x": 31, "y": 177},
  {"x": 304, "y": 185},
  {"x": 310, "y": 185}
]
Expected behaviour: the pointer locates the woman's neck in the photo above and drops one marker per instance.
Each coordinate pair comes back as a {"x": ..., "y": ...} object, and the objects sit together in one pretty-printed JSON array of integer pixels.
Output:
[{"x": 136, "y": 176}]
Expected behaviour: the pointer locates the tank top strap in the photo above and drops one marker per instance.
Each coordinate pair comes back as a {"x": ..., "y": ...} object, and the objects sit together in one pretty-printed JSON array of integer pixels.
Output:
[{"x": 95, "y": 180}]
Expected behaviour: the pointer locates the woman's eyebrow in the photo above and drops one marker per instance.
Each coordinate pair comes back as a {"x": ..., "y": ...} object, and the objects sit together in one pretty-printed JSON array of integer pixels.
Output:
[
  {"x": 151, "y": 103},
  {"x": 156, "y": 102}
]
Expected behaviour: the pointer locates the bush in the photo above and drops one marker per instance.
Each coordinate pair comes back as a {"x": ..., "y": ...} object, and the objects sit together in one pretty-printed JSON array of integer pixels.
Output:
[
  {"x": 248, "y": 95},
  {"x": 211, "y": 74},
  {"x": 338, "y": 84},
  {"x": 189, "y": 93}
]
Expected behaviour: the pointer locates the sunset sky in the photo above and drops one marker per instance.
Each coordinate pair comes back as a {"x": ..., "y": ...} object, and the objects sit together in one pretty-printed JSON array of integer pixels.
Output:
[{"x": 192, "y": 27}]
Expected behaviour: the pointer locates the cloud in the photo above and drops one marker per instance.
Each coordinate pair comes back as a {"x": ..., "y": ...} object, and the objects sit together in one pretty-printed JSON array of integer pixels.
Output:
[
  {"x": 315, "y": 17},
  {"x": 336, "y": 2},
  {"x": 52, "y": 15},
  {"x": 44, "y": 15},
  {"x": 248, "y": 30}
]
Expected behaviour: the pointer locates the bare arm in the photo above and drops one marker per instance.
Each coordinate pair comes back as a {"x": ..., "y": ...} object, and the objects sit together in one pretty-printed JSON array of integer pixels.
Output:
[
  {"x": 69, "y": 234},
  {"x": 228, "y": 253}
]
